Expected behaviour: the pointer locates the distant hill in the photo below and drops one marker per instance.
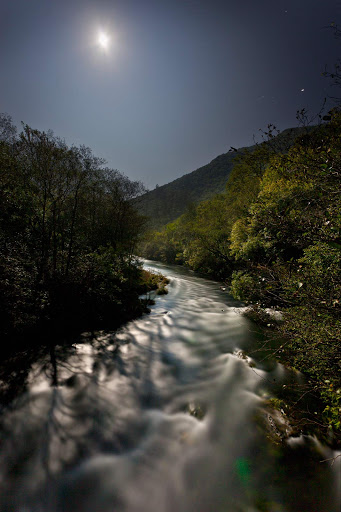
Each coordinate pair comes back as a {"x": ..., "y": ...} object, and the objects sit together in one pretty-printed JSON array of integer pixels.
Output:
[{"x": 167, "y": 202}]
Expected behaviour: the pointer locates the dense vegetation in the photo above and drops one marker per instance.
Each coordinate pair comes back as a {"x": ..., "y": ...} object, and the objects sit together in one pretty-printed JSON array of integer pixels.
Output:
[
  {"x": 275, "y": 236},
  {"x": 166, "y": 203},
  {"x": 68, "y": 232},
  {"x": 190, "y": 188}
]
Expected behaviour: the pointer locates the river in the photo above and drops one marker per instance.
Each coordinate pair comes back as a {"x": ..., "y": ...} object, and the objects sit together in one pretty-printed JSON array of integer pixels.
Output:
[{"x": 164, "y": 415}]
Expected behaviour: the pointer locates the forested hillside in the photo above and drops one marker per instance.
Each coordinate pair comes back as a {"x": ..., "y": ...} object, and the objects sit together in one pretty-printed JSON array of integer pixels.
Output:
[
  {"x": 275, "y": 236},
  {"x": 68, "y": 231},
  {"x": 166, "y": 203}
]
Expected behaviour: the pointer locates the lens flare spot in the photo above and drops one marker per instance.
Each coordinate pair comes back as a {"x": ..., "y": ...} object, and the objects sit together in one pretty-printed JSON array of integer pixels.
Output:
[{"x": 243, "y": 470}]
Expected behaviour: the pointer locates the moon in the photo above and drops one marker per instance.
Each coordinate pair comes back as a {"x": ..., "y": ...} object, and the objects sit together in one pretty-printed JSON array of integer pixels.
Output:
[{"x": 103, "y": 40}]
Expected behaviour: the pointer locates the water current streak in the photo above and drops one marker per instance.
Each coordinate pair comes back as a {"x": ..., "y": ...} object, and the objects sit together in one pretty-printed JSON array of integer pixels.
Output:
[{"x": 161, "y": 416}]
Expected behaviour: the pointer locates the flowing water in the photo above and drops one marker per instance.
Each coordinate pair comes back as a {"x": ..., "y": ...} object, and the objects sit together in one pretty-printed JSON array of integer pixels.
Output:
[{"x": 163, "y": 415}]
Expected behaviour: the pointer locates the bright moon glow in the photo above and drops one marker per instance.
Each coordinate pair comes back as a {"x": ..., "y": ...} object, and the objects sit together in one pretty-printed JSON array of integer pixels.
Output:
[{"x": 103, "y": 40}]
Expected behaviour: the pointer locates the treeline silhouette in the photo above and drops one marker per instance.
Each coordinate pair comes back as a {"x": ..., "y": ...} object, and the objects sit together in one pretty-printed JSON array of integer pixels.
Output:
[{"x": 68, "y": 231}]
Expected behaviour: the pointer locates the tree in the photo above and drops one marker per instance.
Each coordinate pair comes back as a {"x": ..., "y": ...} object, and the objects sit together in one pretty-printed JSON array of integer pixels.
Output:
[{"x": 68, "y": 228}]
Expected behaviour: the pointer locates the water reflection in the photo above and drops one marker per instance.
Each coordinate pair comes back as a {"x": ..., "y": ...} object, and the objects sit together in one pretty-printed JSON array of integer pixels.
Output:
[{"x": 108, "y": 423}]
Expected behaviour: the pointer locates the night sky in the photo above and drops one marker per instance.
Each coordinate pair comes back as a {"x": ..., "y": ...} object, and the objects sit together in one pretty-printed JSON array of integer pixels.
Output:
[{"x": 179, "y": 83}]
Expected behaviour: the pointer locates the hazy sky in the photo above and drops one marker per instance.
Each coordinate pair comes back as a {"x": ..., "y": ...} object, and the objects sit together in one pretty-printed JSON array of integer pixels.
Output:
[{"x": 181, "y": 80}]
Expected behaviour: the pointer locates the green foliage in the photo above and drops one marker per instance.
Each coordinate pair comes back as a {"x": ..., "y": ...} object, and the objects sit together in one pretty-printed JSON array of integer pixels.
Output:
[
  {"x": 298, "y": 203},
  {"x": 315, "y": 341},
  {"x": 332, "y": 411},
  {"x": 68, "y": 231},
  {"x": 318, "y": 277},
  {"x": 276, "y": 403},
  {"x": 166, "y": 203},
  {"x": 276, "y": 234},
  {"x": 243, "y": 286},
  {"x": 200, "y": 238},
  {"x": 290, "y": 244},
  {"x": 152, "y": 281}
]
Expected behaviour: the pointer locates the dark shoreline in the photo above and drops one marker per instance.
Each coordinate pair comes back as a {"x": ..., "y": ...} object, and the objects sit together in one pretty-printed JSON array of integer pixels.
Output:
[{"x": 293, "y": 403}]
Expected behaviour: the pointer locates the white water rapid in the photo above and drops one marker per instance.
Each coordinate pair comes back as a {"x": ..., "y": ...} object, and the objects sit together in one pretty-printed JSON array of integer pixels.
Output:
[{"x": 162, "y": 416}]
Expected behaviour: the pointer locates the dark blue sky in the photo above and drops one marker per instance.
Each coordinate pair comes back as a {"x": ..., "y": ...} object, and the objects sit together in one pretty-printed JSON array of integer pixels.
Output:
[{"x": 182, "y": 81}]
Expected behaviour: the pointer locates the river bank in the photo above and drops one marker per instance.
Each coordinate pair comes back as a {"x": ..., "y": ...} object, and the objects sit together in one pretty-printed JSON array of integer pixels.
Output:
[
  {"x": 75, "y": 307},
  {"x": 163, "y": 414},
  {"x": 312, "y": 407}
]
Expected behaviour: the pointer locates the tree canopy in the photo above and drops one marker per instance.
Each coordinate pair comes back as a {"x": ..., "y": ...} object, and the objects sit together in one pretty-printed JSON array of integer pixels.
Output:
[
  {"x": 275, "y": 236},
  {"x": 68, "y": 230}
]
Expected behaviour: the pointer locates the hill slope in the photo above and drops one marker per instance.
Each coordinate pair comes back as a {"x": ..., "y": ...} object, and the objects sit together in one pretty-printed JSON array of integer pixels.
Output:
[{"x": 167, "y": 202}]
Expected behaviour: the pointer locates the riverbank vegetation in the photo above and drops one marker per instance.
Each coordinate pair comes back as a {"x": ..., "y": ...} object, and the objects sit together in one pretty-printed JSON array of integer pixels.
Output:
[
  {"x": 274, "y": 236},
  {"x": 68, "y": 232},
  {"x": 150, "y": 281}
]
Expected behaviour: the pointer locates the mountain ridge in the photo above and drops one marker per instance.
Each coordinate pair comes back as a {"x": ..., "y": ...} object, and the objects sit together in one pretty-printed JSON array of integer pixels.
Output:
[{"x": 167, "y": 202}]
